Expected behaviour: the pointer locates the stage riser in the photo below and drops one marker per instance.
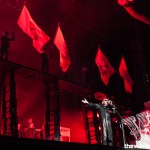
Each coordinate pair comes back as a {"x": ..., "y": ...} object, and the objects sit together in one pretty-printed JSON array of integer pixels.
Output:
[{"x": 26, "y": 144}]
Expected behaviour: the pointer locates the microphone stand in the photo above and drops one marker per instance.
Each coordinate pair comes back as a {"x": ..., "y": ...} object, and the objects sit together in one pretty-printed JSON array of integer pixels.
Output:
[{"x": 121, "y": 124}]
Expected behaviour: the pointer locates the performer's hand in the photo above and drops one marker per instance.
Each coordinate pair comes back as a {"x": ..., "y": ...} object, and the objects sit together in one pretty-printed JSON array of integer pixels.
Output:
[
  {"x": 110, "y": 102},
  {"x": 85, "y": 101}
]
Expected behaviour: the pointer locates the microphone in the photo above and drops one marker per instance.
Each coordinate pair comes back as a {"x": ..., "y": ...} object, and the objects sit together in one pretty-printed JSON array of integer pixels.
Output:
[{"x": 113, "y": 109}]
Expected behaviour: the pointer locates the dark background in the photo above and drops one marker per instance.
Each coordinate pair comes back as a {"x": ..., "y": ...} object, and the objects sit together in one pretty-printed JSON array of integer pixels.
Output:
[{"x": 86, "y": 24}]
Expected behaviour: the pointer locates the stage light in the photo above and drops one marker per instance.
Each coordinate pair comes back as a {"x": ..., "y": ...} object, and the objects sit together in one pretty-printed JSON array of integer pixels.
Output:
[{"x": 125, "y": 3}]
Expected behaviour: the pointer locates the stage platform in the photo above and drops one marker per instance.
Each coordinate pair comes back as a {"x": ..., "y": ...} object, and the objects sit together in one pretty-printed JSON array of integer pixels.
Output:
[{"x": 7, "y": 142}]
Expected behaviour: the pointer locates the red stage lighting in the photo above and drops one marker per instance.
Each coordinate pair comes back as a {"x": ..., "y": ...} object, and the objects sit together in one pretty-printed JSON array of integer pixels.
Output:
[{"x": 125, "y": 3}]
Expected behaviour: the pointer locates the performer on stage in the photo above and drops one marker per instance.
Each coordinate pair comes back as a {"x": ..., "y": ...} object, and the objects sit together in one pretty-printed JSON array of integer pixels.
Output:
[
  {"x": 31, "y": 124},
  {"x": 105, "y": 119},
  {"x": 5, "y": 43},
  {"x": 31, "y": 128}
]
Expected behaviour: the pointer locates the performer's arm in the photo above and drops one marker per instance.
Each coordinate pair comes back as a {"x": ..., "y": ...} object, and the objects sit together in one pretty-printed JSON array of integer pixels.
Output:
[{"x": 89, "y": 104}]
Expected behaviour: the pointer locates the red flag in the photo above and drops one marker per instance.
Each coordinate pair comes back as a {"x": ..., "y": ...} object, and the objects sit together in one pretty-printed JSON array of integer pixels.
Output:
[
  {"x": 28, "y": 25},
  {"x": 64, "y": 54},
  {"x": 128, "y": 83},
  {"x": 105, "y": 69}
]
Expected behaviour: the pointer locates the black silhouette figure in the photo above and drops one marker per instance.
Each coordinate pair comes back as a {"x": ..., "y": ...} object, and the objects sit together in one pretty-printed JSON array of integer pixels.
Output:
[
  {"x": 5, "y": 43},
  {"x": 45, "y": 61}
]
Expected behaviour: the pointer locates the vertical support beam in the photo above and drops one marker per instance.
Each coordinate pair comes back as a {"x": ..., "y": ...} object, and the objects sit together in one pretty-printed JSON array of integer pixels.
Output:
[
  {"x": 13, "y": 105},
  {"x": 3, "y": 123},
  {"x": 57, "y": 113},
  {"x": 0, "y": 104},
  {"x": 96, "y": 126},
  {"x": 52, "y": 122},
  {"x": 47, "y": 112},
  {"x": 2, "y": 77},
  {"x": 92, "y": 125},
  {"x": 87, "y": 125},
  {"x": 9, "y": 125}
]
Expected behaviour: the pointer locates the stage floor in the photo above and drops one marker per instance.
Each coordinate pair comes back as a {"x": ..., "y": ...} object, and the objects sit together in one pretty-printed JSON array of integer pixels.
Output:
[{"x": 22, "y": 143}]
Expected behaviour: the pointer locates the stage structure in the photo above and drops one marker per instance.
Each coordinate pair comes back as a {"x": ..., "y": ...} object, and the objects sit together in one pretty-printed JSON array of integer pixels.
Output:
[
  {"x": 9, "y": 118},
  {"x": 10, "y": 71}
]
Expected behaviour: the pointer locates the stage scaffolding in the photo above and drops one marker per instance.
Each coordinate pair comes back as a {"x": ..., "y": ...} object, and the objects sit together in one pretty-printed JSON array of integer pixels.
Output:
[{"x": 8, "y": 98}]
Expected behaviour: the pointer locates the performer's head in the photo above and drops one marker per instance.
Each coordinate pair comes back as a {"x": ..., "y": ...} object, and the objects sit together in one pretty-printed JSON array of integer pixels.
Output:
[
  {"x": 30, "y": 120},
  {"x": 5, "y": 33}
]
